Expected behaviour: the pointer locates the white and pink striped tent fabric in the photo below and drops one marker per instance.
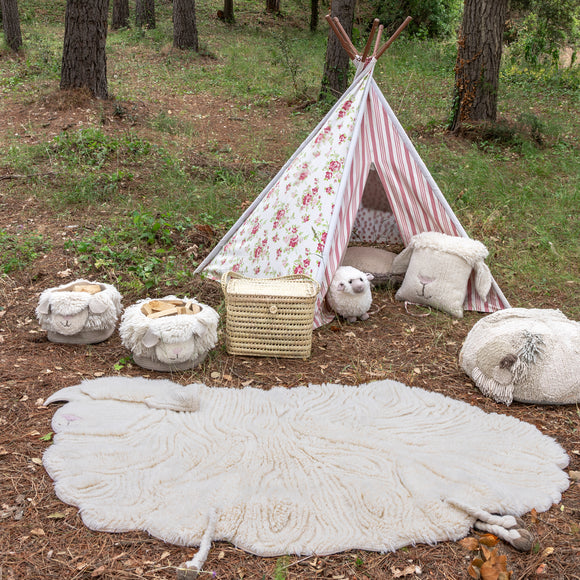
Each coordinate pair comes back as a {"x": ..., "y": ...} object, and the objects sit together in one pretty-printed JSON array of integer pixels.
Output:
[{"x": 302, "y": 221}]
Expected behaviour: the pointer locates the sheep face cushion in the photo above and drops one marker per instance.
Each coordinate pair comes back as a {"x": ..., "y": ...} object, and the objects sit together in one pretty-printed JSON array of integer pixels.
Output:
[
  {"x": 437, "y": 268},
  {"x": 525, "y": 355}
]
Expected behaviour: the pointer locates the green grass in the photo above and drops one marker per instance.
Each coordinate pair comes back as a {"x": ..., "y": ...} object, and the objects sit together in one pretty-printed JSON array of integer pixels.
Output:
[
  {"x": 515, "y": 187},
  {"x": 141, "y": 251},
  {"x": 17, "y": 250}
]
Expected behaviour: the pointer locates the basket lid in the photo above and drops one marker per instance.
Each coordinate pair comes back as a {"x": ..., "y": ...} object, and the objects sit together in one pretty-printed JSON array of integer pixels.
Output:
[{"x": 290, "y": 287}]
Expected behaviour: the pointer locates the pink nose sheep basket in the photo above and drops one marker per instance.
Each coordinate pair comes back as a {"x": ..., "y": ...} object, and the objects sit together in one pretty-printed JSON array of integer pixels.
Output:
[
  {"x": 269, "y": 317},
  {"x": 169, "y": 334}
]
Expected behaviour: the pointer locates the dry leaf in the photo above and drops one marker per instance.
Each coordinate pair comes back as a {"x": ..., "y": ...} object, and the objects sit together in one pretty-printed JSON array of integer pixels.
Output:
[
  {"x": 215, "y": 375},
  {"x": 541, "y": 569},
  {"x": 534, "y": 515},
  {"x": 164, "y": 555},
  {"x": 37, "y": 532},
  {"x": 547, "y": 552},
  {"x": 470, "y": 543},
  {"x": 574, "y": 475},
  {"x": 489, "y": 540},
  {"x": 495, "y": 566},
  {"x": 473, "y": 572},
  {"x": 98, "y": 571},
  {"x": 221, "y": 555},
  {"x": 97, "y": 374},
  {"x": 408, "y": 571}
]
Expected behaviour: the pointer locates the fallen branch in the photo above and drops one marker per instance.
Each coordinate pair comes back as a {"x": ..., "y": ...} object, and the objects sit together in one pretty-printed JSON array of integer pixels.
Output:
[{"x": 18, "y": 176}]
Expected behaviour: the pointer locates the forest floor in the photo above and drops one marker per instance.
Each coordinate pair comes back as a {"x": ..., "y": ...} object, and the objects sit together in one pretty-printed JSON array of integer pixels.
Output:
[{"x": 43, "y": 538}]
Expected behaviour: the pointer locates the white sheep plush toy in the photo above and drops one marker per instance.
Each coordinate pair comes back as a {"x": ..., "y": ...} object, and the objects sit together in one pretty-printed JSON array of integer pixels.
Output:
[
  {"x": 80, "y": 312},
  {"x": 349, "y": 294},
  {"x": 169, "y": 334}
]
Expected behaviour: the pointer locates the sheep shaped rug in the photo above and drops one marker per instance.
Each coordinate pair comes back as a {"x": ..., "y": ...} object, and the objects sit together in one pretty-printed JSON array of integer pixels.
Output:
[
  {"x": 81, "y": 312},
  {"x": 169, "y": 334},
  {"x": 349, "y": 293},
  {"x": 437, "y": 268},
  {"x": 314, "y": 469},
  {"x": 526, "y": 355}
]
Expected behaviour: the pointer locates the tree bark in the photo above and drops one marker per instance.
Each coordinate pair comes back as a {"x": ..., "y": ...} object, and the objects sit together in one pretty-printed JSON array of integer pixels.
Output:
[
  {"x": 84, "y": 59},
  {"x": 229, "y": 11},
  {"x": 184, "y": 25},
  {"x": 145, "y": 14},
  {"x": 480, "y": 43},
  {"x": 120, "y": 18},
  {"x": 11, "y": 24},
  {"x": 273, "y": 6},
  {"x": 313, "y": 15},
  {"x": 335, "y": 76}
]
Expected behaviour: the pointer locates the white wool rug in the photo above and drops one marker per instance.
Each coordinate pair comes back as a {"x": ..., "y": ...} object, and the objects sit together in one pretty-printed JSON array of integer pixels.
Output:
[{"x": 316, "y": 469}]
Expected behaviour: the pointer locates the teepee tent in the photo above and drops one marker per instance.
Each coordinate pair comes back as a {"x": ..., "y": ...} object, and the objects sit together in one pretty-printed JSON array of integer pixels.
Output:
[{"x": 302, "y": 221}]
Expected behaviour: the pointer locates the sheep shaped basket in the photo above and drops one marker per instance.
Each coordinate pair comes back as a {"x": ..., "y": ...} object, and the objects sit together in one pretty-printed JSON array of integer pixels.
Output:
[
  {"x": 169, "y": 334},
  {"x": 80, "y": 312}
]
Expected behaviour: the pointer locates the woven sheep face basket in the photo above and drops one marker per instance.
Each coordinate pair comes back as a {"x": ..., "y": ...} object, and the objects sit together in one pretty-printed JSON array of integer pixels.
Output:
[
  {"x": 169, "y": 334},
  {"x": 82, "y": 312}
]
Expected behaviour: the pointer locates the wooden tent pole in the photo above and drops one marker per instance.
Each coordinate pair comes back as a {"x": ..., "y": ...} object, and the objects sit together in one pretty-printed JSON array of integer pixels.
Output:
[
  {"x": 393, "y": 38},
  {"x": 370, "y": 39},
  {"x": 347, "y": 42},
  {"x": 378, "y": 40},
  {"x": 346, "y": 45}
]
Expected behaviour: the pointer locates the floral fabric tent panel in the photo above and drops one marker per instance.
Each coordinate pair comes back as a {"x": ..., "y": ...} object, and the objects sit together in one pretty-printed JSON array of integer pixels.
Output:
[
  {"x": 302, "y": 221},
  {"x": 287, "y": 233}
]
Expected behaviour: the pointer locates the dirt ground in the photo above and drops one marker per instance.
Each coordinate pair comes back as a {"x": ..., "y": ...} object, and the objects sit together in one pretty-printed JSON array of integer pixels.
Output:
[{"x": 40, "y": 537}]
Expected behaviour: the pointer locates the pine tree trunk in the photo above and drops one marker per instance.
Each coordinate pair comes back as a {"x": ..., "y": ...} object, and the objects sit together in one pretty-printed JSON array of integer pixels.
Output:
[
  {"x": 145, "y": 14},
  {"x": 229, "y": 11},
  {"x": 120, "y": 18},
  {"x": 480, "y": 43},
  {"x": 313, "y": 15},
  {"x": 273, "y": 6},
  {"x": 84, "y": 59},
  {"x": 335, "y": 76},
  {"x": 11, "y": 24},
  {"x": 184, "y": 25}
]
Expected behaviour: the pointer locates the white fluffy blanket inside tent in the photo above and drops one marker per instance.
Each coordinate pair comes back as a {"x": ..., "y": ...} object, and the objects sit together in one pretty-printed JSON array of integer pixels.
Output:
[{"x": 316, "y": 469}]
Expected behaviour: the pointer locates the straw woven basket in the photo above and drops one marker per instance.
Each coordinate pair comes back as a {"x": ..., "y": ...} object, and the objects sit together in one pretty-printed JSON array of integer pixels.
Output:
[{"x": 269, "y": 317}]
